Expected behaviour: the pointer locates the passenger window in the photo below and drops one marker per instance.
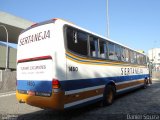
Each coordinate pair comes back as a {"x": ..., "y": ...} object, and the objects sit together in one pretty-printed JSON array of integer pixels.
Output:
[
  {"x": 138, "y": 59},
  {"x": 93, "y": 46},
  {"x": 103, "y": 49},
  {"x": 135, "y": 57},
  {"x": 127, "y": 55},
  {"x": 123, "y": 54},
  {"x": 77, "y": 41},
  {"x": 117, "y": 52},
  {"x": 132, "y": 56},
  {"x": 111, "y": 51},
  {"x": 144, "y": 59},
  {"x": 141, "y": 59}
]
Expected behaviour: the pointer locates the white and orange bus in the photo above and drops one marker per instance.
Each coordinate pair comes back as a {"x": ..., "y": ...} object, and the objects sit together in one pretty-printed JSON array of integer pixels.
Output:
[{"x": 61, "y": 65}]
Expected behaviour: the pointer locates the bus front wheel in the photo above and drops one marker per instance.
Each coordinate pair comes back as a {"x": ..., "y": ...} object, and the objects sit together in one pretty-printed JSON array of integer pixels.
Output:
[{"x": 109, "y": 94}]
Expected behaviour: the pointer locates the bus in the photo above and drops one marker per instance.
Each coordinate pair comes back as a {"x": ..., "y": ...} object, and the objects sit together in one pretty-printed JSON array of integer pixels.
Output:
[{"x": 61, "y": 66}]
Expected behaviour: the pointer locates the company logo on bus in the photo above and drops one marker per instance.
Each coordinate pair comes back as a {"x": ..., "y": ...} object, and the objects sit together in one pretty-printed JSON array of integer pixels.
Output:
[{"x": 35, "y": 37}]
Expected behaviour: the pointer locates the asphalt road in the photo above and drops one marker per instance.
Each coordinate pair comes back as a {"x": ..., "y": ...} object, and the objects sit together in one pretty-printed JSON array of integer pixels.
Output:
[{"x": 138, "y": 104}]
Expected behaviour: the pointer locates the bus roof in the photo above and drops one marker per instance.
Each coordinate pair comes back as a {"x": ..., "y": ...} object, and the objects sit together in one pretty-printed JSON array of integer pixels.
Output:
[{"x": 64, "y": 22}]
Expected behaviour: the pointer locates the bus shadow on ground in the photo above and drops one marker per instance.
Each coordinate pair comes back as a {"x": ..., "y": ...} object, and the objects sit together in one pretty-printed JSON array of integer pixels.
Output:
[
  {"x": 60, "y": 115},
  {"x": 85, "y": 113}
]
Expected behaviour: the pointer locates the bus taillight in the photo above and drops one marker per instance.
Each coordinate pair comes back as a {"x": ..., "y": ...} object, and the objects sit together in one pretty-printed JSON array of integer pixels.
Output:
[{"x": 55, "y": 84}]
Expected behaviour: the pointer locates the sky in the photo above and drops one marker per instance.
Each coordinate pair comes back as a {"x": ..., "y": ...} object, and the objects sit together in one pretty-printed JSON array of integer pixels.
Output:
[{"x": 134, "y": 23}]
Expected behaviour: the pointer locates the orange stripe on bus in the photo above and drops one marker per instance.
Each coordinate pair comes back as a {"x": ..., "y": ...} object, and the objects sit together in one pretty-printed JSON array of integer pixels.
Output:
[
  {"x": 125, "y": 85},
  {"x": 82, "y": 95}
]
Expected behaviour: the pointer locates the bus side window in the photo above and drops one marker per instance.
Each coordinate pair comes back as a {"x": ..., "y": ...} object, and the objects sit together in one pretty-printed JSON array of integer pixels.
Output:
[
  {"x": 93, "y": 46},
  {"x": 106, "y": 49},
  {"x": 132, "y": 56},
  {"x": 103, "y": 49},
  {"x": 144, "y": 59},
  {"x": 135, "y": 57},
  {"x": 76, "y": 40},
  {"x": 117, "y": 52},
  {"x": 111, "y": 54},
  {"x": 138, "y": 58},
  {"x": 123, "y": 56},
  {"x": 127, "y": 55}
]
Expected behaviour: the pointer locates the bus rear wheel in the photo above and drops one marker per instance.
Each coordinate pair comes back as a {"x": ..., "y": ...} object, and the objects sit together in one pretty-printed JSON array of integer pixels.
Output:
[
  {"x": 109, "y": 94},
  {"x": 145, "y": 83}
]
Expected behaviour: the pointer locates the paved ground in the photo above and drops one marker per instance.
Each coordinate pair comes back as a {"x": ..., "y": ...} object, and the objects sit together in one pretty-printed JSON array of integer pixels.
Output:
[{"x": 139, "y": 104}]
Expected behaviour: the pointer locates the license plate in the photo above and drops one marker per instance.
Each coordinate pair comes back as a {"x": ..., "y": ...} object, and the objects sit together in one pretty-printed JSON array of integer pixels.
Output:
[{"x": 31, "y": 93}]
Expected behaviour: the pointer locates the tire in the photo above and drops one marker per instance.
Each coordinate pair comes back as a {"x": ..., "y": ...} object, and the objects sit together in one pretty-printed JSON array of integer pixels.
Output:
[
  {"x": 109, "y": 94},
  {"x": 145, "y": 83}
]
